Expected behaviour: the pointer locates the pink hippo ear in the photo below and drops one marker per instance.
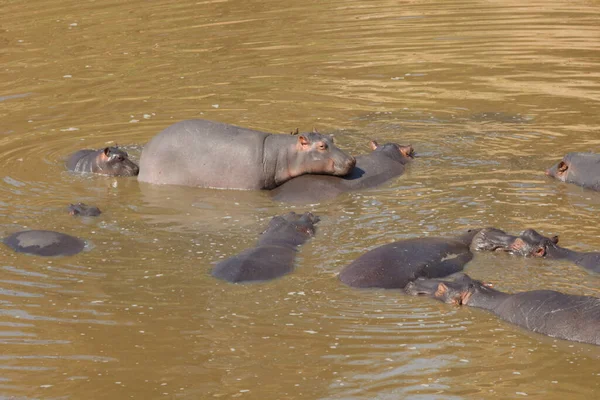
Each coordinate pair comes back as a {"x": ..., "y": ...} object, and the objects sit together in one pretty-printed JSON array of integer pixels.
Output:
[
  {"x": 106, "y": 152},
  {"x": 373, "y": 144},
  {"x": 562, "y": 167},
  {"x": 441, "y": 290},
  {"x": 297, "y": 131},
  {"x": 540, "y": 252},
  {"x": 554, "y": 239},
  {"x": 303, "y": 141},
  {"x": 407, "y": 151},
  {"x": 315, "y": 130}
]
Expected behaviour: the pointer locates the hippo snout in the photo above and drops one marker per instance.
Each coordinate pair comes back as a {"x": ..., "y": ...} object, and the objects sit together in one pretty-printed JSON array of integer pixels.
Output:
[
  {"x": 548, "y": 173},
  {"x": 345, "y": 167}
]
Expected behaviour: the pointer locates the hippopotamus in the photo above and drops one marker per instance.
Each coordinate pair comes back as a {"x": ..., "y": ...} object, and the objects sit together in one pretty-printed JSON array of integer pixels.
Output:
[
  {"x": 108, "y": 161},
  {"x": 393, "y": 265},
  {"x": 551, "y": 313},
  {"x": 275, "y": 252},
  {"x": 217, "y": 155},
  {"x": 382, "y": 164},
  {"x": 530, "y": 243},
  {"x": 44, "y": 243},
  {"x": 582, "y": 169},
  {"x": 84, "y": 210}
]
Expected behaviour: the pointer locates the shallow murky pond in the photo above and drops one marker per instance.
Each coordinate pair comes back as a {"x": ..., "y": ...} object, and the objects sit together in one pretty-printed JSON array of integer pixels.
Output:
[{"x": 489, "y": 93}]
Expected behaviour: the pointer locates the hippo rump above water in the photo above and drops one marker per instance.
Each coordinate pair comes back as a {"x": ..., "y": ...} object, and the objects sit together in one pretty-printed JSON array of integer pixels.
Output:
[
  {"x": 275, "y": 252},
  {"x": 582, "y": 169},
  {"x": 108, "y": 161},
  {"x": 217, "y": 155},
  {"x": 548, "y": 312},
  {"x": 393, "y": 265},
  {"x": 382, "y": 164},
  {"x": 44, "y": 243}
]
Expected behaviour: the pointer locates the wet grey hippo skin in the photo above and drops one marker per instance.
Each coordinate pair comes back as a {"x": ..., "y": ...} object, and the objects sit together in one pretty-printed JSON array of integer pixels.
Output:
[
  {"x": 44, "y": 243},
  {"x": 82, "y": 209},
  {"x": 530, "y": 243},
  {"x": 582, "y": 169},
  {"x": 216, "y": 155},
  {"x": 108, "y": 161},
  {"x": 382, "y": 164},
  {"x": 394, "y": 265},
  {"x": 548, "y": 312},
  {"x": 275, "y": 252}
]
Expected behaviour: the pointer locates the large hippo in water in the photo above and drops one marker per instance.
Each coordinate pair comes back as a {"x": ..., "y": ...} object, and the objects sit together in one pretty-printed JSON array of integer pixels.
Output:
[
  {"x": 216, "y": 155},
  {"x": 530, "y": 243},
  {"x": 44, "y": 243},
  {"x": 548, "y": 312},
  {"x": 108, "y": 161},
  {"x": 395, "y": 264},
  {"x": 275, "y": 252},
  {"x": 582, "y": 169},
  {"x": 382, "y": 164}
]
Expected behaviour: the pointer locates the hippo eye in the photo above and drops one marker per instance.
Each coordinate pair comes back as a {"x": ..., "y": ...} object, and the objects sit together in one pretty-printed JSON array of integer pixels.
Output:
[
  {"x": 322, "y": 146},
  {"x": 562, "y": 166}
]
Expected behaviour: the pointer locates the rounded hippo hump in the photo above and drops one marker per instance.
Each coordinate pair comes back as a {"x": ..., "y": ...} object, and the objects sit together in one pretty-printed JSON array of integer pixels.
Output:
[{"x": 44, "y": 243}]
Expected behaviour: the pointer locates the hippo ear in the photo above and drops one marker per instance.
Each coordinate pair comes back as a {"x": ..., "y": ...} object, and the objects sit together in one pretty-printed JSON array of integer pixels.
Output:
[
  {"x": 373, "y": 144},
  {"x": 554, "y": 239},
  {"x": 315, "y": 130},
  {"x": 562, "y": 166},
  {"x": 441, "y": 290},
  {"x": 304, "y": 142},
  {"x": 540, "y": 252},
  {"x": 407, "y": 151},
  {"x": 297, "y": 131},
  {"x": 106, "y": 151}
]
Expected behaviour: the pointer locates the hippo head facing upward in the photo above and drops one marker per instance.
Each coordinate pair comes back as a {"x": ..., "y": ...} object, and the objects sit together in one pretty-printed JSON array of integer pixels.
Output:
[
  {"x": 529, "y": 244},
  {"x": 395, "y": 151},
  {"x": 115, "y": 162},
  {"x": 579, "y": 168},
  {"x": 317, "y": 154},
  {"x": 290, "y": 229}
]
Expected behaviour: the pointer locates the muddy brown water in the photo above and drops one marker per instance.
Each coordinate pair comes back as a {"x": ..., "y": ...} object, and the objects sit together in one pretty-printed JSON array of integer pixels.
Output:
[{"x": 489, "y": 93}]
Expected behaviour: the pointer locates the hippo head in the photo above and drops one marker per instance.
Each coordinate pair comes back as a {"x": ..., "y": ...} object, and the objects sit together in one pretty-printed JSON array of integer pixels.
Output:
[
  {"x": 528, "y": 244},
  {"x": 317, "y": 154},
  {"x": 115, "y": 162},
  {"x": 533, "y": 244},
  {"x": 290, "y": 229},
  {"x": 578, "y": 168},
  {"x": 395, "y": 151},
  {"x": 84, "y": 210},
  {"x": 492, "y": 239},
  {"x": 461, "y": 291}
]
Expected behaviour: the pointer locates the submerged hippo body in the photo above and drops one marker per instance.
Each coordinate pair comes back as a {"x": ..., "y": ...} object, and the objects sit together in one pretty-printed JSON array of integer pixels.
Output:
[
  {"x": 394, "y": 265},
  {"x": 530, "y": 243},
  {"x": 275, "y": 252},
  {"x": 108, "y": 161},
  {"x": 44, "y": 243},
  {"x": 382, "y": 164},
  {"x": 216, "y": 155},
  {"x": 582, "y": 169},
  {"x": 548, "y": 312}
]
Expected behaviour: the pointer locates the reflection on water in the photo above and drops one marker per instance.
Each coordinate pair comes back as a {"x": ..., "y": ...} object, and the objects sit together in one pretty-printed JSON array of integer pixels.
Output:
[{"x": 489, "y": 94}]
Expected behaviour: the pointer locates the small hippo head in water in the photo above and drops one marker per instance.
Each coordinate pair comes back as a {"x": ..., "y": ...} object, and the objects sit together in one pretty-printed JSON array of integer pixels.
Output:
[
  {"x": 289, "y": 229},
  {"x": 457, "y": 292},
  {"x": 317, "y": 154},
  {"x": 84, "y": 210},
  {"x": 579, "y": 168},
  {"x": 114, "y": 161},
  {"x": 395, "y": 151}
]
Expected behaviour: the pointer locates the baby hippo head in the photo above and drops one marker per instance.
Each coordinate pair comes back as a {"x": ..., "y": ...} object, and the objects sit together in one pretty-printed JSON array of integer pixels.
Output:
[
  {"x": 395, "y": 151},
  {"x": 115, "y": 162},
  {"x": 291, "y": 229},
  {"x": 317, "y": 154}
]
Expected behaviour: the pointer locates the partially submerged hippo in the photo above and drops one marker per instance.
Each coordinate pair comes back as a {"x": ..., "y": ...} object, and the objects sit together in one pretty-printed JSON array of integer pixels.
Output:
[
  {"x": 548, "y": 312},
  {"x": 275, "y": 252},
  {"x": 395, "y": 264},
  {"x": 382, "y": 164},
  {"x": 582, "y": 169},
  {"x": 216, "y": 155},
  {"x": 44, "y": 243},
  {"x": 82, "y": 209},
  {"x": 108, "y": 161},
  {"x": 530, "y": 243}
]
